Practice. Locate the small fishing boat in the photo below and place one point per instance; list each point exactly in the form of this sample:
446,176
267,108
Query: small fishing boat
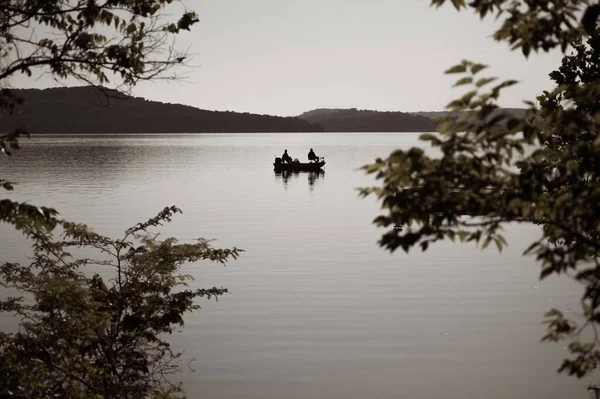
296,165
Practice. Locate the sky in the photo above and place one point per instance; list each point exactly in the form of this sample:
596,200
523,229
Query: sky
284,57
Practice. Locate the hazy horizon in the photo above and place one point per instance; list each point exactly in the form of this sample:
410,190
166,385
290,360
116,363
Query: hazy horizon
267,57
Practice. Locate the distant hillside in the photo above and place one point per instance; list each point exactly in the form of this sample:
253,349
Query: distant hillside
518,112
84,110
320,113
353,120
87,110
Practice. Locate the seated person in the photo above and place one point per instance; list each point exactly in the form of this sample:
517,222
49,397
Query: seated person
312,156
285,158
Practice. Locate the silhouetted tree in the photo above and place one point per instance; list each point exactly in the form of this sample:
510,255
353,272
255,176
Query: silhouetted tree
542,168
86,338
98,42
82,337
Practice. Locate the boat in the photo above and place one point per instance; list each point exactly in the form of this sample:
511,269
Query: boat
296,165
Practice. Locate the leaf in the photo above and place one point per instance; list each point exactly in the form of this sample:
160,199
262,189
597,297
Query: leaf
468,96
445,126
498,244
464,81
587,309
430,137
477,68
482,82
526,49
486,242
458,4
553,313
462,235
506,84
456,69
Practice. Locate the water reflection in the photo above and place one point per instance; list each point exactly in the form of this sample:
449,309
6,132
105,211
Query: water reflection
286,176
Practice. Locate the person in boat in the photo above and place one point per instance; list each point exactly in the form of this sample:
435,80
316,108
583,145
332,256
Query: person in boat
312,156
285,158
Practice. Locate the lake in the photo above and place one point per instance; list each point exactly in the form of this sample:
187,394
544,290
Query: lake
316,308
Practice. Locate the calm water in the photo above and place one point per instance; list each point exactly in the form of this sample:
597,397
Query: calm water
316,308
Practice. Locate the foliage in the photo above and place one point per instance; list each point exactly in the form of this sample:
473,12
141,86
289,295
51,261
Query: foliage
93,41
495,168
130,45
83,338
79,337
533,24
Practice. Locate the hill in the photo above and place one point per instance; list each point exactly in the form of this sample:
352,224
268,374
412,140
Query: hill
518,112
87,110
353,120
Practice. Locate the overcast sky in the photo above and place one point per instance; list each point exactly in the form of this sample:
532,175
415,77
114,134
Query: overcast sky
284,57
